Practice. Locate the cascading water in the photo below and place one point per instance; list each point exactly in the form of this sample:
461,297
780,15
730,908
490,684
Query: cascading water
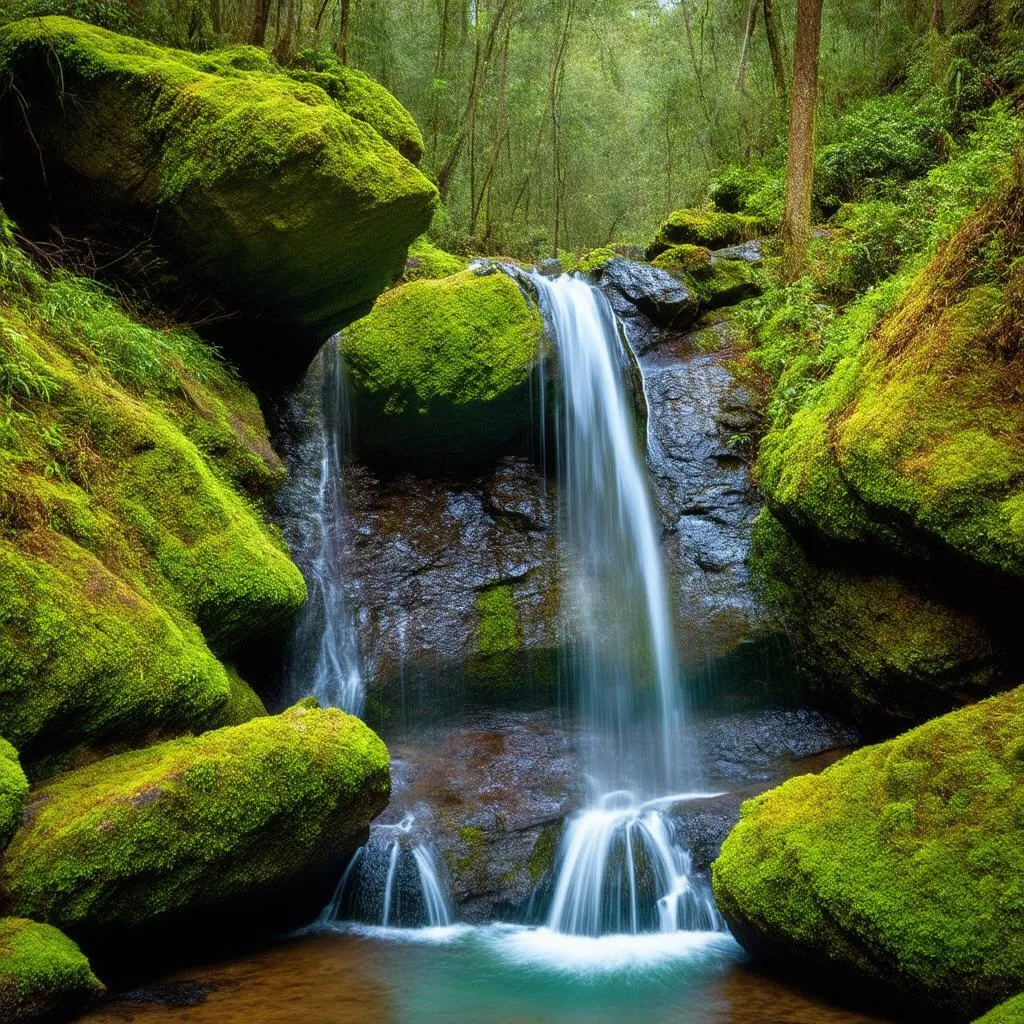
392,882
323,658
620,868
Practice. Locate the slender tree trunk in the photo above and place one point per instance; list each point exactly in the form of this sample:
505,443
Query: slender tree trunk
939,16
261,15
771,29
344,18
796,221
748,35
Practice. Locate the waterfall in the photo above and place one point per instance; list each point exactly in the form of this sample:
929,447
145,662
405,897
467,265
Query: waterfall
392,883
323,655
620,868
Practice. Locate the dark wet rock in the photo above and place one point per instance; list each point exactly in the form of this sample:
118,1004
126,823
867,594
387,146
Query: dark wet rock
551,268
697,453
749,252
645,298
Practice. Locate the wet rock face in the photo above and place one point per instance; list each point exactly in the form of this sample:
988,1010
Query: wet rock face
456,583
698,422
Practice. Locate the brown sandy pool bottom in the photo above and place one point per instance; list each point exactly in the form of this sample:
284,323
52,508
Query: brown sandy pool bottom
497,974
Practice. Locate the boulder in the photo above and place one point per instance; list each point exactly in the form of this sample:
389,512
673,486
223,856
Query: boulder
258,191
444,369
427,262
715,279
900,864
915,441
712,229
43,974
187,826
883,646
131,487
13,792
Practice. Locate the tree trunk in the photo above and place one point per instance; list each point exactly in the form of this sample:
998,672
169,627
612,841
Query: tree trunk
939,16
796,221
261,15
344,16
748,35
775,47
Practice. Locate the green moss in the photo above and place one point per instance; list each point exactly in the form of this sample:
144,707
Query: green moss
426,262
193,822
133,464
542,856
13,792
43,974
711,229
243,704
270,196
362,98
914,438
882,647
1010,1012
715,282
595,259
498,627
902,862
443,368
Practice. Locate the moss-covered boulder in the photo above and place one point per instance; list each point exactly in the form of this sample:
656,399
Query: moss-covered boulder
134,467
13,792
915,441
711,229
716,282
426,262
43,974
259,190
882,646
188,825
1010,1012
902,863
443,369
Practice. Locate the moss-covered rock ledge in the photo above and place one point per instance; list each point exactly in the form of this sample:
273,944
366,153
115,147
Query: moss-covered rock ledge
260,190
43,974
186,826
902,863
442,369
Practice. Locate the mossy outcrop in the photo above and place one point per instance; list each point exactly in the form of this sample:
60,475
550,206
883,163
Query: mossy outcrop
901,863
1010,1012
716,282
187,825
43,974
712,229
426,262
259,190
13,792
915,441
133,464
882,646
443,369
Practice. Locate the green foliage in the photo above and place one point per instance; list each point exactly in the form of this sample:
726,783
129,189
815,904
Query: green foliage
884,142
270,194
192,822
43,974
903,861
444,367
714,282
